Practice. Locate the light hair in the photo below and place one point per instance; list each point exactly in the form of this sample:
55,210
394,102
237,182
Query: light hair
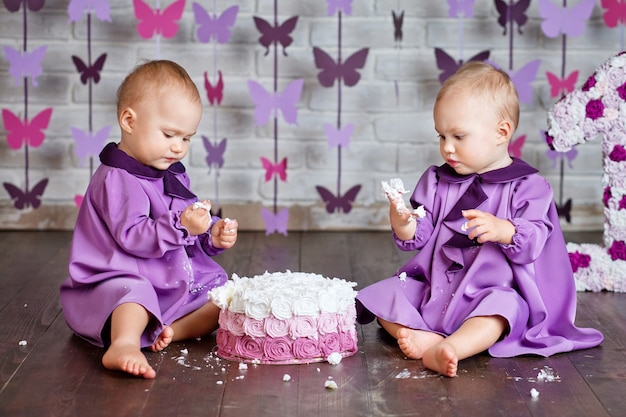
487,83
149,77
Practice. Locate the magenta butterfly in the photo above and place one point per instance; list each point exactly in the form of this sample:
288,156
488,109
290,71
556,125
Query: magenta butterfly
449,65
268,103
346,71
27,64
271,169
89,144
338,203
213,26
32,5
515,146
214,93
615,12
342,5
461,7
163,22
78,200
215,153
101,8
275,34
558,85
338,137
23,199
570,21
275,222
515,13
87,72
26,132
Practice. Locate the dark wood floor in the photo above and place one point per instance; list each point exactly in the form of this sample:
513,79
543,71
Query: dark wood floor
53,373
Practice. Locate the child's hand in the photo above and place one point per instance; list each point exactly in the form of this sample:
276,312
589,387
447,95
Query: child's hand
485,227
224,233
196,218
401,218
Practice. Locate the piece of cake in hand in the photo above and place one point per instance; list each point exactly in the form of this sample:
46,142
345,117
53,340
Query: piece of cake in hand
285,318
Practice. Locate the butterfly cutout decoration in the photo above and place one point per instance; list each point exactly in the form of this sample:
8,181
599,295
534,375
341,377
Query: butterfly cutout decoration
449,65
614,12
515,146
338,203
78,200
515,13
344,6
398,21
346,71
212,26
338,137
22,199
558,85
275,34
214,93
556,156
24,132
89,72
523,78
565,210
101,8
271,169
215,152
570,21
161,22
27,64
275,222
268,103
32,5
89,144
461,7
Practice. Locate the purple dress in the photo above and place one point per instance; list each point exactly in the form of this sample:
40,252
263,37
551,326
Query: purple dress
452,278
129,247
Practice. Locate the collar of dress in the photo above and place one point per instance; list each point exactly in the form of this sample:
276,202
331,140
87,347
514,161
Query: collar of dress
518,169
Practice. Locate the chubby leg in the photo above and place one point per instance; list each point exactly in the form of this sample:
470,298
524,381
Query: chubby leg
197,323
413,343
128,321
474,336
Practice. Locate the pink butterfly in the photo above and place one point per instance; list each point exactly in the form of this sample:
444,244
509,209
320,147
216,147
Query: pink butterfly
449,65
32,5
268,103
558,85
25,132
213,26
101,8
271,169
23,199
275,34
570,21
275,222
27,64
342,5
338,203
461,7
89,144
87,72
615,12
162,22
214,93
78,200
347,70
215,153
512,12
515,146
338,137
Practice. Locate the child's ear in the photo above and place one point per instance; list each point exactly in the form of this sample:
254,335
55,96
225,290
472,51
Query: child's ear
505,131
127,119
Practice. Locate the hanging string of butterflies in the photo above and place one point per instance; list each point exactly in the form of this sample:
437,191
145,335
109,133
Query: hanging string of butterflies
87,143
267,106
25,132
397,18
344,72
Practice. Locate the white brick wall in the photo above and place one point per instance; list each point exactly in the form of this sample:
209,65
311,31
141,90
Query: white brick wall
391,139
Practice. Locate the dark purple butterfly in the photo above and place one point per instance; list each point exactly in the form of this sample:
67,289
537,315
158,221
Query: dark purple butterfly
398,20
565,210
449,65
347,70
23,199
92,71
512,13
338,203
32,5
215,153
275,34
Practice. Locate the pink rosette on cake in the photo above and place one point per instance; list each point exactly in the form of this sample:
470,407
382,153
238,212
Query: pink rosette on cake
348,341
327,323
346,320
225,342
248,347
330,343
277,349
234,324
306,348
276,328
254,327
303,326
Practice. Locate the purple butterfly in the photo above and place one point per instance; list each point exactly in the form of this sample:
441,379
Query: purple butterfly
569,21
523,78
555,156
338,137
275,222
461,7
275,34
101,8
213,26
89,144
30,198
515,13
32,5
268,103
338,203
398,21
449,65
343,5
347,70
87,72
26,65
215,153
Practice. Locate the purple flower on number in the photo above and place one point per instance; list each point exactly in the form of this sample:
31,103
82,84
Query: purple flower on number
606,196
622,203
621,90
618,154
579,260
591,81
594,109
618,250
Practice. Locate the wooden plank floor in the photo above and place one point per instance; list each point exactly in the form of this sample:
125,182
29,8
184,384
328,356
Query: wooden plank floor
58,374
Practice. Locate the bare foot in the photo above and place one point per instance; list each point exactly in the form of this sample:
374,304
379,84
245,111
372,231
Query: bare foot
414,343
164,339
442,358
128,358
